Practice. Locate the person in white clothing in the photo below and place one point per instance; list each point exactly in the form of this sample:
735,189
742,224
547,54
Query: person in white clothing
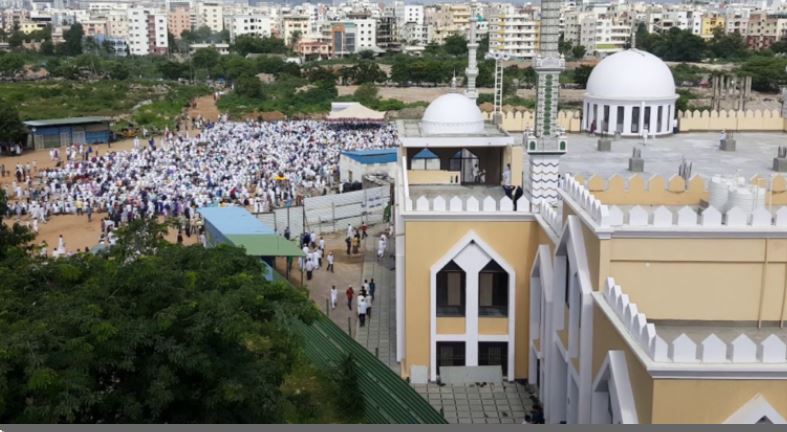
334,295
362,307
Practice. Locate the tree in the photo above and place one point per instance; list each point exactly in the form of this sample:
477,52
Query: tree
72,45
366,94
564,46
205,58
581,75
367,72
366,55
250,44
11,64
248,86
455,45
153,333
727,45
767,72
118,71
578,52
12,130
348,392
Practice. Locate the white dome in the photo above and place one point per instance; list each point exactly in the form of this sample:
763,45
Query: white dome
452,114
631,75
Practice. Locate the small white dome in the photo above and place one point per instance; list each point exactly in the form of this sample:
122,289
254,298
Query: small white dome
452,114
631,75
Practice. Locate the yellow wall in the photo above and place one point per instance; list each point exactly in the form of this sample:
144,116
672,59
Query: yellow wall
606,338
677,278
518,121
431,176
453,325
494,326
731,120
712,401
514,155
427,241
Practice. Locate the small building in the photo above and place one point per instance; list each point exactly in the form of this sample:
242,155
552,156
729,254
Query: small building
221,48
355,165
67,131
236,226
630,93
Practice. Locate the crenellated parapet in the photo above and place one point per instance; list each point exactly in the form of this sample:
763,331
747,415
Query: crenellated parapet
683,349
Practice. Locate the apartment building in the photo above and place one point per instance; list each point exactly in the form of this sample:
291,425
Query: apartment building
294,26
711,22
210,14
255,24
179,19
513,31
147,31
765,29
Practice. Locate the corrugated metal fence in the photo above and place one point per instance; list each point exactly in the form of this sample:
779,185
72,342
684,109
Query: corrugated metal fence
331,213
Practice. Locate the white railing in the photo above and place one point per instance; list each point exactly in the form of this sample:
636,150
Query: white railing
471,204
683,349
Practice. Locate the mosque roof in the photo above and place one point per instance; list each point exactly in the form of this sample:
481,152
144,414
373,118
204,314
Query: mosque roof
368,157
631,75
452,114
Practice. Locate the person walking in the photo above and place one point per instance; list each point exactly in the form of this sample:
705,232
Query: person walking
334,295
368,307
330,262
309,269
381,248
372,288
365,287
362,308
348,240
350,293
356,242
364,227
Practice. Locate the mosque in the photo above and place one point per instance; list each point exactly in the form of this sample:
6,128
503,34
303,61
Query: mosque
619,303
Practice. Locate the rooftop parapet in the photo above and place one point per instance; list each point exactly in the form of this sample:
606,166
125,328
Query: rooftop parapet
712,349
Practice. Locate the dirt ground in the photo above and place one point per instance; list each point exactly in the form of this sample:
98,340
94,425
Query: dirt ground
427,94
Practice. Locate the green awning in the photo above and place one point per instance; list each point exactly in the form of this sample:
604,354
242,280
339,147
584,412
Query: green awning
266,245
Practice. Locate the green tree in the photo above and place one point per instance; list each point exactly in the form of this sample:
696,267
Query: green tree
155,333
205,58
366,94
767,72
564,46
578,52
72,45
12,130
11,64
729,46
248,86
581,75
455,45
348,391
367,72
250,44
118,71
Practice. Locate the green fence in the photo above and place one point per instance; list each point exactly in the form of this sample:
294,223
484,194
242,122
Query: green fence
388,398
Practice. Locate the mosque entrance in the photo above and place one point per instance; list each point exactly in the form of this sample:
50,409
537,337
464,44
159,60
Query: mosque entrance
466,162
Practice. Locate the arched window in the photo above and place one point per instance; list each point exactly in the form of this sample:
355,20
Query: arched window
493,291
451,291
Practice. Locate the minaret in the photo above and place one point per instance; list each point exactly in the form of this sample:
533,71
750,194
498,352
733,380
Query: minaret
548,143
472,65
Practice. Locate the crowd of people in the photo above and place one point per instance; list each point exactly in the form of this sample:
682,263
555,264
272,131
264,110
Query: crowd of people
259,165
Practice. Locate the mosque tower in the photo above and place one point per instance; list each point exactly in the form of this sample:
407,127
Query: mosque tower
547,143
472,64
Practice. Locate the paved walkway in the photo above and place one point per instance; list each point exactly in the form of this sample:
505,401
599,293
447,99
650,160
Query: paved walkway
379,334
479,403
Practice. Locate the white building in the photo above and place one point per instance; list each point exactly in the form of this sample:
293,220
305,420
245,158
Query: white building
210,14
147,31
631,93
256,25
514,32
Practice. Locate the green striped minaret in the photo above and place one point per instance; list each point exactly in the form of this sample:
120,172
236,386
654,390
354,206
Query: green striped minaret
547,143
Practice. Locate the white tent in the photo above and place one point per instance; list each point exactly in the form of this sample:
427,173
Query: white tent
353,112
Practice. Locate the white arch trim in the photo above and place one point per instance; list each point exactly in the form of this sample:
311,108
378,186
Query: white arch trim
615,371
755,409
471,327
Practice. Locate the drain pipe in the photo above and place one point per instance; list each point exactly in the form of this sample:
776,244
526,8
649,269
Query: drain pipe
763,279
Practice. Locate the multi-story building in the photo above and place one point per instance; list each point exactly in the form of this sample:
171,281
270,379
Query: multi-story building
211,15
388,34
147,31
446,20
737,21
294,27
179,20
765,29
514,32
118,24
413,34
256,25
94,27
710,23
14,18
